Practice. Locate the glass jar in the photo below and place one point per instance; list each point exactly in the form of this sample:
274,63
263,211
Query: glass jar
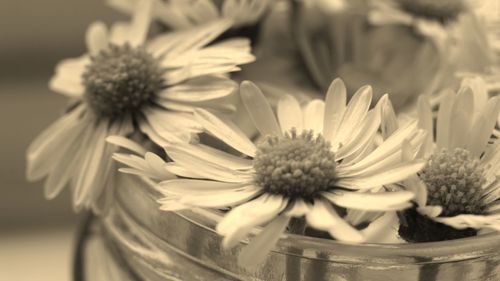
141,242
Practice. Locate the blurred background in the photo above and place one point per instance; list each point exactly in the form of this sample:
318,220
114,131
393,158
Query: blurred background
36,236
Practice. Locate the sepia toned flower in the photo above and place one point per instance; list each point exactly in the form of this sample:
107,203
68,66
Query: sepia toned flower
310,162
458,189
124,84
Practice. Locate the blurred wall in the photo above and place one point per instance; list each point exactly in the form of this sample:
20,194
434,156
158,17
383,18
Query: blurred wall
34,36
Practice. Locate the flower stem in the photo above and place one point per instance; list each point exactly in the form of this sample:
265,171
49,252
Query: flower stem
293,270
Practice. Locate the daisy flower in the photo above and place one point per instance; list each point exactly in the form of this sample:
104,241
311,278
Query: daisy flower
458,191
179,14
124,84
310,163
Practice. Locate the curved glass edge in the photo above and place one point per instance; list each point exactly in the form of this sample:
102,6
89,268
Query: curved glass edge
310,247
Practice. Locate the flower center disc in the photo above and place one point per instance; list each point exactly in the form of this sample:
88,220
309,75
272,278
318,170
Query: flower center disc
454,181
295,165
120,80
442,10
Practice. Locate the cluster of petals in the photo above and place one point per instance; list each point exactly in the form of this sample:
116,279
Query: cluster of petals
465,120
211,178
73,151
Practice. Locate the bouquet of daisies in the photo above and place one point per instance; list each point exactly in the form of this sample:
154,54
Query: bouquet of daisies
208,100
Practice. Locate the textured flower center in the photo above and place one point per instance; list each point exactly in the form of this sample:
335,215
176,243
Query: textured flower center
442,10
454,180
295,165
120,80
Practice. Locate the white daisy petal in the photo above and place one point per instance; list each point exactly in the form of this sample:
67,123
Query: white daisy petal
175,44
355,113
119,33
387,148
491,158
430,211
314,116
394,174
359,217
170,204
483,127
50,142
382,201
251,214
127,144
491,191
196,69
220,199
418,187
289,114
131,160
259,247
425,120
362,136
157,166
383,229
160,135
142,173
462,112
353,170
322,216
494,208
230,51
443,120
68,77
226,132
190,186
216,156
172,126
389,122
64,167
106,180
259,109
478,87
140,22
200,89
298,208
218,105
91,164
180,171
96,37
206,168
472,221
335,106
241,220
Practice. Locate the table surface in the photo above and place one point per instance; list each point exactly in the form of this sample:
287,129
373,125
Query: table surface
37,254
